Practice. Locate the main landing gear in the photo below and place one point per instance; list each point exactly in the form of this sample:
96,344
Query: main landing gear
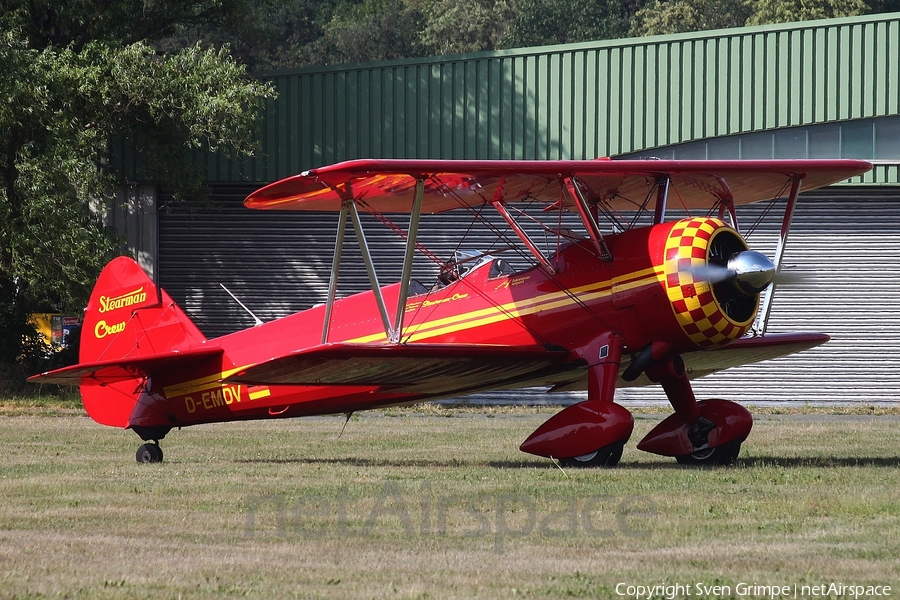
709,432
607,456
593,433
725,454
149,453
590,433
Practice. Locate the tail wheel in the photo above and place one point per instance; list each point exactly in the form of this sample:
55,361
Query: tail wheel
723,455
149,453
607,456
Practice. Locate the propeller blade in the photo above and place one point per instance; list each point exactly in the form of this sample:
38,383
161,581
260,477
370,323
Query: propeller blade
789,277
712,273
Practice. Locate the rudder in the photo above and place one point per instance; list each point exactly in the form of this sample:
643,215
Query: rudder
127,317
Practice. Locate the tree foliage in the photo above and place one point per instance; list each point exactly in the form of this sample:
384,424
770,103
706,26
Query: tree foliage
369,31
785,11
465,26
72,79
663,17
278,34
542,22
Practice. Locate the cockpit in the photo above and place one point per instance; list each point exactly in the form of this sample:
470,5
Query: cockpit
464,262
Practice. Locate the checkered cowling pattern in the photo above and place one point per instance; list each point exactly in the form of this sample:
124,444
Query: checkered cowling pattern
693,302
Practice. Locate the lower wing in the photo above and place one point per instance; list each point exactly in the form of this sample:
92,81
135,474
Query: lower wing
430,369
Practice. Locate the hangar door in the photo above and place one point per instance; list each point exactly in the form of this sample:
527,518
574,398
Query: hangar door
844,238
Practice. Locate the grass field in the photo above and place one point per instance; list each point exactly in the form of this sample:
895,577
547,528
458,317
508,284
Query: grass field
439,503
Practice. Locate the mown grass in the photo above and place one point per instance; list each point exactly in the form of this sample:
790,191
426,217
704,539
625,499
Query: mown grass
67,403
436,503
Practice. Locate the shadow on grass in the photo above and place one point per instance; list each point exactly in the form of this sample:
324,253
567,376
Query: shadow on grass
742,463
355,461
820,461
760,462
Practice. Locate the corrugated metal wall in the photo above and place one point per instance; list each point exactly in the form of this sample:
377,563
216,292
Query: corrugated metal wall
579,101
133,215
279,262
845,241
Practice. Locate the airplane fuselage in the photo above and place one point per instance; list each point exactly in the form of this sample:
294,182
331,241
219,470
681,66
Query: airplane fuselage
641,295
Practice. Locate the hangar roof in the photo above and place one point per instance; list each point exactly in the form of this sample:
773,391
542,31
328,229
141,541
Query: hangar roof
835,77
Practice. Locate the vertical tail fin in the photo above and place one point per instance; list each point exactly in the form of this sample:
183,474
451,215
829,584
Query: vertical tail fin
128,318
131,330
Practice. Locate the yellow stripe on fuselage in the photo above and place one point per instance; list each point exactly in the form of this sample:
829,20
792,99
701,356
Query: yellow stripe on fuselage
511,310
460,322
198,385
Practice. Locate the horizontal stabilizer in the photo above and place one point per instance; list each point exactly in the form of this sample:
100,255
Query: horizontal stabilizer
113,370
424,368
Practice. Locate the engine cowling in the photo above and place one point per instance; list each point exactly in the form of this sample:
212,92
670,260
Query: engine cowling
710,313
708,284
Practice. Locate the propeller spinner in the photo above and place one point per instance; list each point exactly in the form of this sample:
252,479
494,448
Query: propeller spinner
750,271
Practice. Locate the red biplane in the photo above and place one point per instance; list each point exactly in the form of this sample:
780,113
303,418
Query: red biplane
642,301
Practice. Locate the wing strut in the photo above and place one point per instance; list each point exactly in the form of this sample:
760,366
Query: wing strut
532,247
335,266
370,267
762,318
348,208
662,199
414,214
570,184
726,205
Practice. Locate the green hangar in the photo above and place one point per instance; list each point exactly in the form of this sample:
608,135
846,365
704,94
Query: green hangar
818,89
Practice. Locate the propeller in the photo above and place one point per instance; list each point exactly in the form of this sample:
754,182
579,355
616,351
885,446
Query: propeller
750,271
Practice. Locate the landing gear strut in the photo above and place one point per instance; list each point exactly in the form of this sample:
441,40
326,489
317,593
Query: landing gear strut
149,453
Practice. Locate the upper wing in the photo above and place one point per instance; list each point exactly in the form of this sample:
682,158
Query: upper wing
387,185
413,368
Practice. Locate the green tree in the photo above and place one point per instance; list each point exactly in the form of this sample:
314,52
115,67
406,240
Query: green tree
464,26
264,35
369,31
884,6
786,11
662,17
73,78
542,22
676,16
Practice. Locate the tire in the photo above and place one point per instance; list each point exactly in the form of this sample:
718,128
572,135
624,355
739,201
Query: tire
720,456
607,456
149,453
